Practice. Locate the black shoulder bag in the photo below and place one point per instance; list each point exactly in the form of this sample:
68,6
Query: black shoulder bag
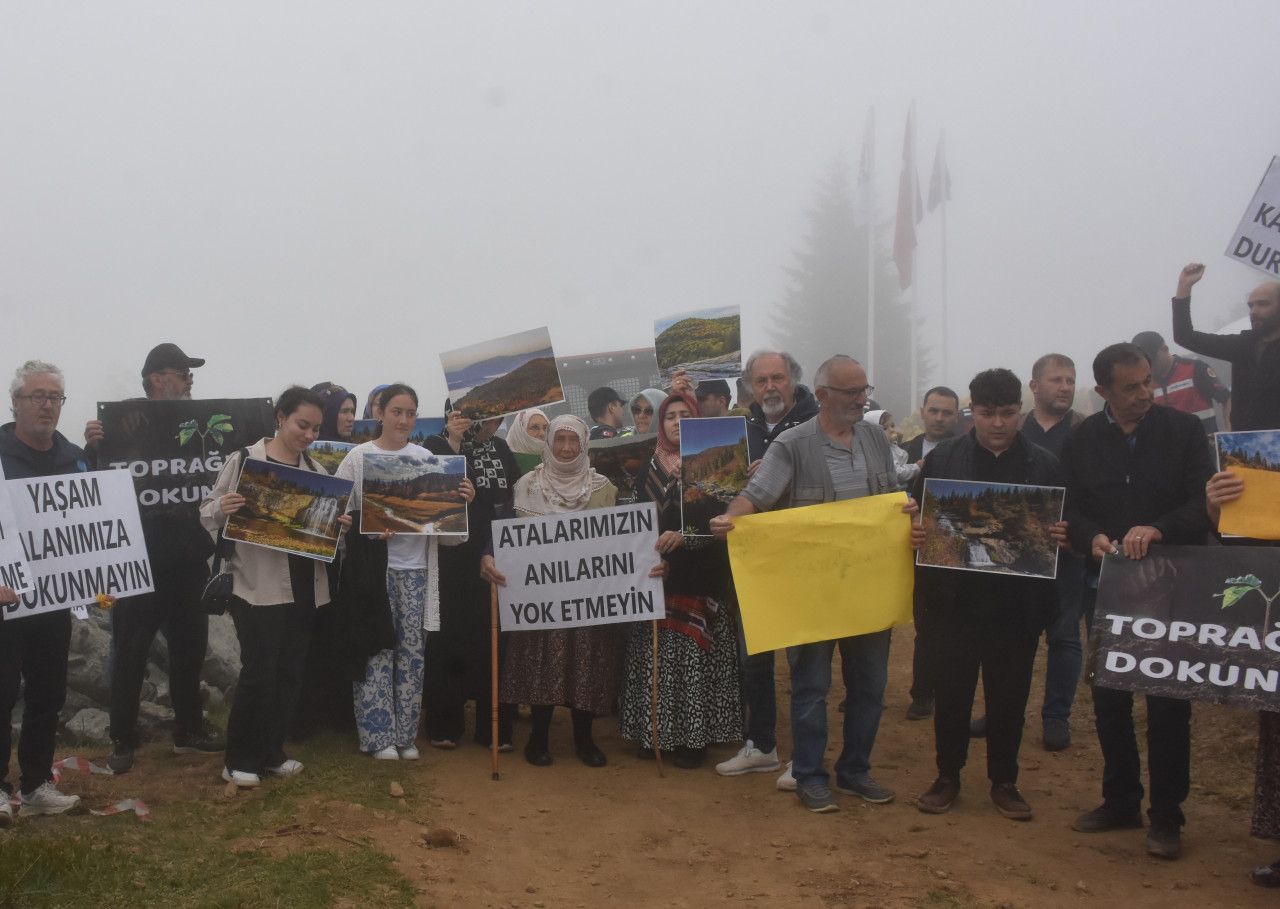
217,595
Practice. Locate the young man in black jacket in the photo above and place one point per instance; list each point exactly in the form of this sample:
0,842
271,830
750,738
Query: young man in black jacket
984,621
1136,474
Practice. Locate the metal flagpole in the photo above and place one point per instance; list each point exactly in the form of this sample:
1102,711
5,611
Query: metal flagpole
868,145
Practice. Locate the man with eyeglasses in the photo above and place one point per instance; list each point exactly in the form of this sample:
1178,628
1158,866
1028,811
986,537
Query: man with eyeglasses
833,457
179,549
33,649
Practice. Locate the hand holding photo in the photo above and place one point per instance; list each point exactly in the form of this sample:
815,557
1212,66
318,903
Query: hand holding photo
289,509
502,376
713,469
413,494
706,343
1255,458
993,527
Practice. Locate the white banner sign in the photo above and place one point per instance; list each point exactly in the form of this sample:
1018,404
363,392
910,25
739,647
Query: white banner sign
1257,240
579,568
81,536
14,571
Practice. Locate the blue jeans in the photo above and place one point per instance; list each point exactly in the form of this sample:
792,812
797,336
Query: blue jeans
759,701
864,663
1062,668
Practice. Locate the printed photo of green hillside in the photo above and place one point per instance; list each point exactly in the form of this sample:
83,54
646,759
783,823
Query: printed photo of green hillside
706,343
502,376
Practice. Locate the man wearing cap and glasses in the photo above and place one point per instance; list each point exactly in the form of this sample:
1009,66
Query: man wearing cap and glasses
179,549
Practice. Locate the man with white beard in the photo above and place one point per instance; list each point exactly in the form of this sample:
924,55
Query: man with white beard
781,402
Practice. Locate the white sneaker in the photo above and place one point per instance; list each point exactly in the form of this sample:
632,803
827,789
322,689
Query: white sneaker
288,768
6,810
787,782
409,754
240,778
47,800
749,759
387,754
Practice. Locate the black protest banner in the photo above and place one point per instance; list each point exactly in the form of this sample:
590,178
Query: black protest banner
1194,622
174,449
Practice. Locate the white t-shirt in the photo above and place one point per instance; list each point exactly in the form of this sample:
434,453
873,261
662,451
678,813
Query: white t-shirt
404,551
926,446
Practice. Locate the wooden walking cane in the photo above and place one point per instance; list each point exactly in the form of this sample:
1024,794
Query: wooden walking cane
653,711
493,678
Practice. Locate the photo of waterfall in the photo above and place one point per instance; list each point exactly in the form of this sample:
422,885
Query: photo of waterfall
995,527
289,509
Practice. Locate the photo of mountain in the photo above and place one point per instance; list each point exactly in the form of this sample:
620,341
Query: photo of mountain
993,527
713,468
706,343
502,376
423,429
404,493
289,509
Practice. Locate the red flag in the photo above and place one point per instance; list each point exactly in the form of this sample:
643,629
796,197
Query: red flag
940,182
910,207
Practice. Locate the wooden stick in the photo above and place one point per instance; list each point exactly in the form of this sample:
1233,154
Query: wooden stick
493,678
657,746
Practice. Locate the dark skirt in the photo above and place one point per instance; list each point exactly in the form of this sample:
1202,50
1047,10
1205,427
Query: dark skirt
573,667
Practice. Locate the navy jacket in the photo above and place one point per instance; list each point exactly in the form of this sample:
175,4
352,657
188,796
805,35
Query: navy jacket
21,463
759,435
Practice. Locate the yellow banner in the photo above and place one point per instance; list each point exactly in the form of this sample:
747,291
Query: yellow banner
823,572
1254,514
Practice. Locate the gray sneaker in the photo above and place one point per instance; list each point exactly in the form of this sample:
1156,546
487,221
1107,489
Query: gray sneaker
871,791
817,798
120,760
47,800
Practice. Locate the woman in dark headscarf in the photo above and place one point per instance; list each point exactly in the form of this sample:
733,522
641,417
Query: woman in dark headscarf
699,701
458,667
339,412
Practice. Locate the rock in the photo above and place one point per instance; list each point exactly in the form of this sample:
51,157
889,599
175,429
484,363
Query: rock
154,712
89,659
441,838
396,790
90,726
222,661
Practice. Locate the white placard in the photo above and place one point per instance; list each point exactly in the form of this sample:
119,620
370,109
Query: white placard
579,568
81,536
15,573
1256,241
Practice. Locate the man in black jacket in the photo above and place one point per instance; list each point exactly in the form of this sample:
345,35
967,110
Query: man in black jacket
1254,355
33,648
179,549
979,620
1135,477
781,402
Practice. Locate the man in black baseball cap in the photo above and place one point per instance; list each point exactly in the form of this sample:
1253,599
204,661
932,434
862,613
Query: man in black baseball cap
166,374
1183,383
606,407
713,398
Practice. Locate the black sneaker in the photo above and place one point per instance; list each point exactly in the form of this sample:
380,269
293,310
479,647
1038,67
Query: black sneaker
1164,841
208,741
1104,818
120,760
920,709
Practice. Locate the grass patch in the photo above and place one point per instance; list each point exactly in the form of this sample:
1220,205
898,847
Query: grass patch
206,853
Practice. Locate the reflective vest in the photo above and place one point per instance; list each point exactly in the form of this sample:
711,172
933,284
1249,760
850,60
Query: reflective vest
1179,391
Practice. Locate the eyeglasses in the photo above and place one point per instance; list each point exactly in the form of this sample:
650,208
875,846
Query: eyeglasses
180,373
642,410
40,399
864,391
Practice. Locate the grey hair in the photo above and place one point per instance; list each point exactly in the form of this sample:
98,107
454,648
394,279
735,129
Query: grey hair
824,371
793,365
34,368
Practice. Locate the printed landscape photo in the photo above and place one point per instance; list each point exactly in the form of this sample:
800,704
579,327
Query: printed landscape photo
713,468
620,460
423,429
1249,450
498,377
1255,457
329,454
413,494
706,343
289,509
992,527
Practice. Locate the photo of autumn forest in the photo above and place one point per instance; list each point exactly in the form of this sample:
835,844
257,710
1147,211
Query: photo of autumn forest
404,493
707,343
289,509
992,527
713,468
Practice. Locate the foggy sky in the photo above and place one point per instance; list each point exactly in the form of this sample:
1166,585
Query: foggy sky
323,191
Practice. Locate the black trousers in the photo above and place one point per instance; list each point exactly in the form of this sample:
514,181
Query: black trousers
273,652
1168,748
921,663
33,659
173,608
967,639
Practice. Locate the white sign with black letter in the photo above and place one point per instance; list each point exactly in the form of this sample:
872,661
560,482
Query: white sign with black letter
579,568
81,537
14,571
1256,241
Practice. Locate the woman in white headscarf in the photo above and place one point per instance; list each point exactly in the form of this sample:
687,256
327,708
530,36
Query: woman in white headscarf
644,407
526,437
575,667
904,469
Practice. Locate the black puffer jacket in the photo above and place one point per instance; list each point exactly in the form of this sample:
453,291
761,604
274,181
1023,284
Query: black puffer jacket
759,435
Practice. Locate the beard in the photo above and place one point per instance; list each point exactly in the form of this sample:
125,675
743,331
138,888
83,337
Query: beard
774,407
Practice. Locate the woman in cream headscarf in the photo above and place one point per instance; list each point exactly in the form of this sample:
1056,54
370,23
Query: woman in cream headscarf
526,436
575,667
644,407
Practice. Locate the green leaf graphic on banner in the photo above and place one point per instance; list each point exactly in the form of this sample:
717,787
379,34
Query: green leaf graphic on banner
1232,595
186,431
